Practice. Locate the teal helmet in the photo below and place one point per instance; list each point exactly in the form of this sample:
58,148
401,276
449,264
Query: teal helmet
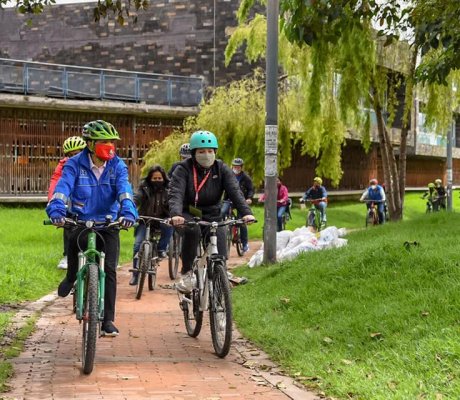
100,130
203,140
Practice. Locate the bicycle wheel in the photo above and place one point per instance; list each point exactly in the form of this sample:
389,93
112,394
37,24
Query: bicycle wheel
143,265
311,219
369,218
375,218
153,264
229,239
175,246
237,241
193,317
220,310
90,318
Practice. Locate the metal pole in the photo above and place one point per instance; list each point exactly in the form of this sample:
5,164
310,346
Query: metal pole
450,135
271,133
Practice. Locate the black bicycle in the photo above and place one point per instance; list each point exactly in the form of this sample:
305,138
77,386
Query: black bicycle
147,256
174,254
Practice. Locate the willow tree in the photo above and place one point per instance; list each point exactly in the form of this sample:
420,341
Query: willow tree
352,68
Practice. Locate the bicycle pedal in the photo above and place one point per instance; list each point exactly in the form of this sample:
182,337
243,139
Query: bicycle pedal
133,270
152,272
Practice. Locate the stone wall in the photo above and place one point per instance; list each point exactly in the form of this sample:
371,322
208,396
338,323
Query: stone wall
171,37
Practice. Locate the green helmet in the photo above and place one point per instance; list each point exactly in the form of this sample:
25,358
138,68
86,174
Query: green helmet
73,143
431,185
203,140
100,130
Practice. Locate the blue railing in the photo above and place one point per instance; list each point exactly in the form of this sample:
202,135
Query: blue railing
84,83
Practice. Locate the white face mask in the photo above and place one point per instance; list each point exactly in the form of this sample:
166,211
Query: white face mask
235,171
373,187
205,159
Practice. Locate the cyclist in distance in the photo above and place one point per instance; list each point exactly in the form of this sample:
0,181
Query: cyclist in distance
442,195
184,153
431,195
247,188
71,147
376,193
282,201
317,192
196,190
97,182
151,200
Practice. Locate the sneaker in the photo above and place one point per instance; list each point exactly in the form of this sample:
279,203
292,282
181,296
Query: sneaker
134,279
162,254
109,329
245,248
63,263
185,282
65,287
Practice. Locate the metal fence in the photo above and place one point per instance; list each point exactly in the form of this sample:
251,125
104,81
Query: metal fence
71,82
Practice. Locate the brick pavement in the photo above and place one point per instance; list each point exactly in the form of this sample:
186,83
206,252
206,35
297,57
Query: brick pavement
152,358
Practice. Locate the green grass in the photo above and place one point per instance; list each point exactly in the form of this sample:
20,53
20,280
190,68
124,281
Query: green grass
367,321
30,252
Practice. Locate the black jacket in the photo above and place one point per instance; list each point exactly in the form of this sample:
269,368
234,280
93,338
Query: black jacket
182,190
173,167
246,186
150,202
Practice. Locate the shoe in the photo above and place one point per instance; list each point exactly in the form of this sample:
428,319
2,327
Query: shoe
65,287
134,279
162,254
109,329
185,282
245,248
63,263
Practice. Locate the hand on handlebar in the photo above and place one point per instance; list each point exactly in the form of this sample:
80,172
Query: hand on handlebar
248,219
125,223
58,221
177,220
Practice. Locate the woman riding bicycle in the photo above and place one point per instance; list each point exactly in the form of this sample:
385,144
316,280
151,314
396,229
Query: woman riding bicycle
97,182
196,189
282,202
152,201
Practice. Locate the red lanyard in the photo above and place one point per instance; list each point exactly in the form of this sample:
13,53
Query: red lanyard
195,183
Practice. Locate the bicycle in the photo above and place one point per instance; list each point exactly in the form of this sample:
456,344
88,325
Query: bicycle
233,234
286,215
314,215
372,216
174,253
147,256
89,289
211,290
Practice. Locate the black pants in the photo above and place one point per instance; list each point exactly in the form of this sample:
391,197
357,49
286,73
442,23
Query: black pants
191,238
66,241
107,241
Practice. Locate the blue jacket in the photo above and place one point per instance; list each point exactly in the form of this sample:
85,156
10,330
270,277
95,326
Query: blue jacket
92,199
377,195
315,193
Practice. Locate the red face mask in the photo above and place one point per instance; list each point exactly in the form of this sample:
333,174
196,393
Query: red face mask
104,151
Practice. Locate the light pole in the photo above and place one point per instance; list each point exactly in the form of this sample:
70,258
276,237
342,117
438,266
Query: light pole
450,137
271,132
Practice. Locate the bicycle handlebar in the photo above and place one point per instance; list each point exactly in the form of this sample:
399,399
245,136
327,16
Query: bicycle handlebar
217,224
69,222
146,219
373,201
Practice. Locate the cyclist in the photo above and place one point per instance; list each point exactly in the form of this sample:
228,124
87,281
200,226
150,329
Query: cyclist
247,188
375,192
97,182
196,189
317,192
71,147
282,202
431,195
442,195
184,153
151,200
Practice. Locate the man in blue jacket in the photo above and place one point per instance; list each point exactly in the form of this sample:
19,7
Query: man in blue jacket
96,181
375,193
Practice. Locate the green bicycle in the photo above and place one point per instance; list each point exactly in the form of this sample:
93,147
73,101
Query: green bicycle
89,290
314,216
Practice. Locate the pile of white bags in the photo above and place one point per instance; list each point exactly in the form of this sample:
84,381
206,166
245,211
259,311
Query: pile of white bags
289,244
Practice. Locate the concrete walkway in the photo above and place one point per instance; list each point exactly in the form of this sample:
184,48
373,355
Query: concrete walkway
152,358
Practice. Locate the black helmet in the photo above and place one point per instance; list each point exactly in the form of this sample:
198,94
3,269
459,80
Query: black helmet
238,161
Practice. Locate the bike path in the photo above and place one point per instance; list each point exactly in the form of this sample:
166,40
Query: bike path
152,358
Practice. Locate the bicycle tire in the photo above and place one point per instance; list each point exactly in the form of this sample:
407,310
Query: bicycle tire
220,310
193,321
229,239
143,259
153,268
175,246
90,319
311,219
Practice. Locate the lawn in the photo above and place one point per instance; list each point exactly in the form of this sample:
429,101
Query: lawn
372,320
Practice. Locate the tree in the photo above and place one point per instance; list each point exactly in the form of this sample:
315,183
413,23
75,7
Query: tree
119,9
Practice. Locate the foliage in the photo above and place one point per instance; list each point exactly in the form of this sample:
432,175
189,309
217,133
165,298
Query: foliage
119,9
371,320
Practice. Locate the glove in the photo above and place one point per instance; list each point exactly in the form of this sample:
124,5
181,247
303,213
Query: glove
57,217
58,221
126,222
